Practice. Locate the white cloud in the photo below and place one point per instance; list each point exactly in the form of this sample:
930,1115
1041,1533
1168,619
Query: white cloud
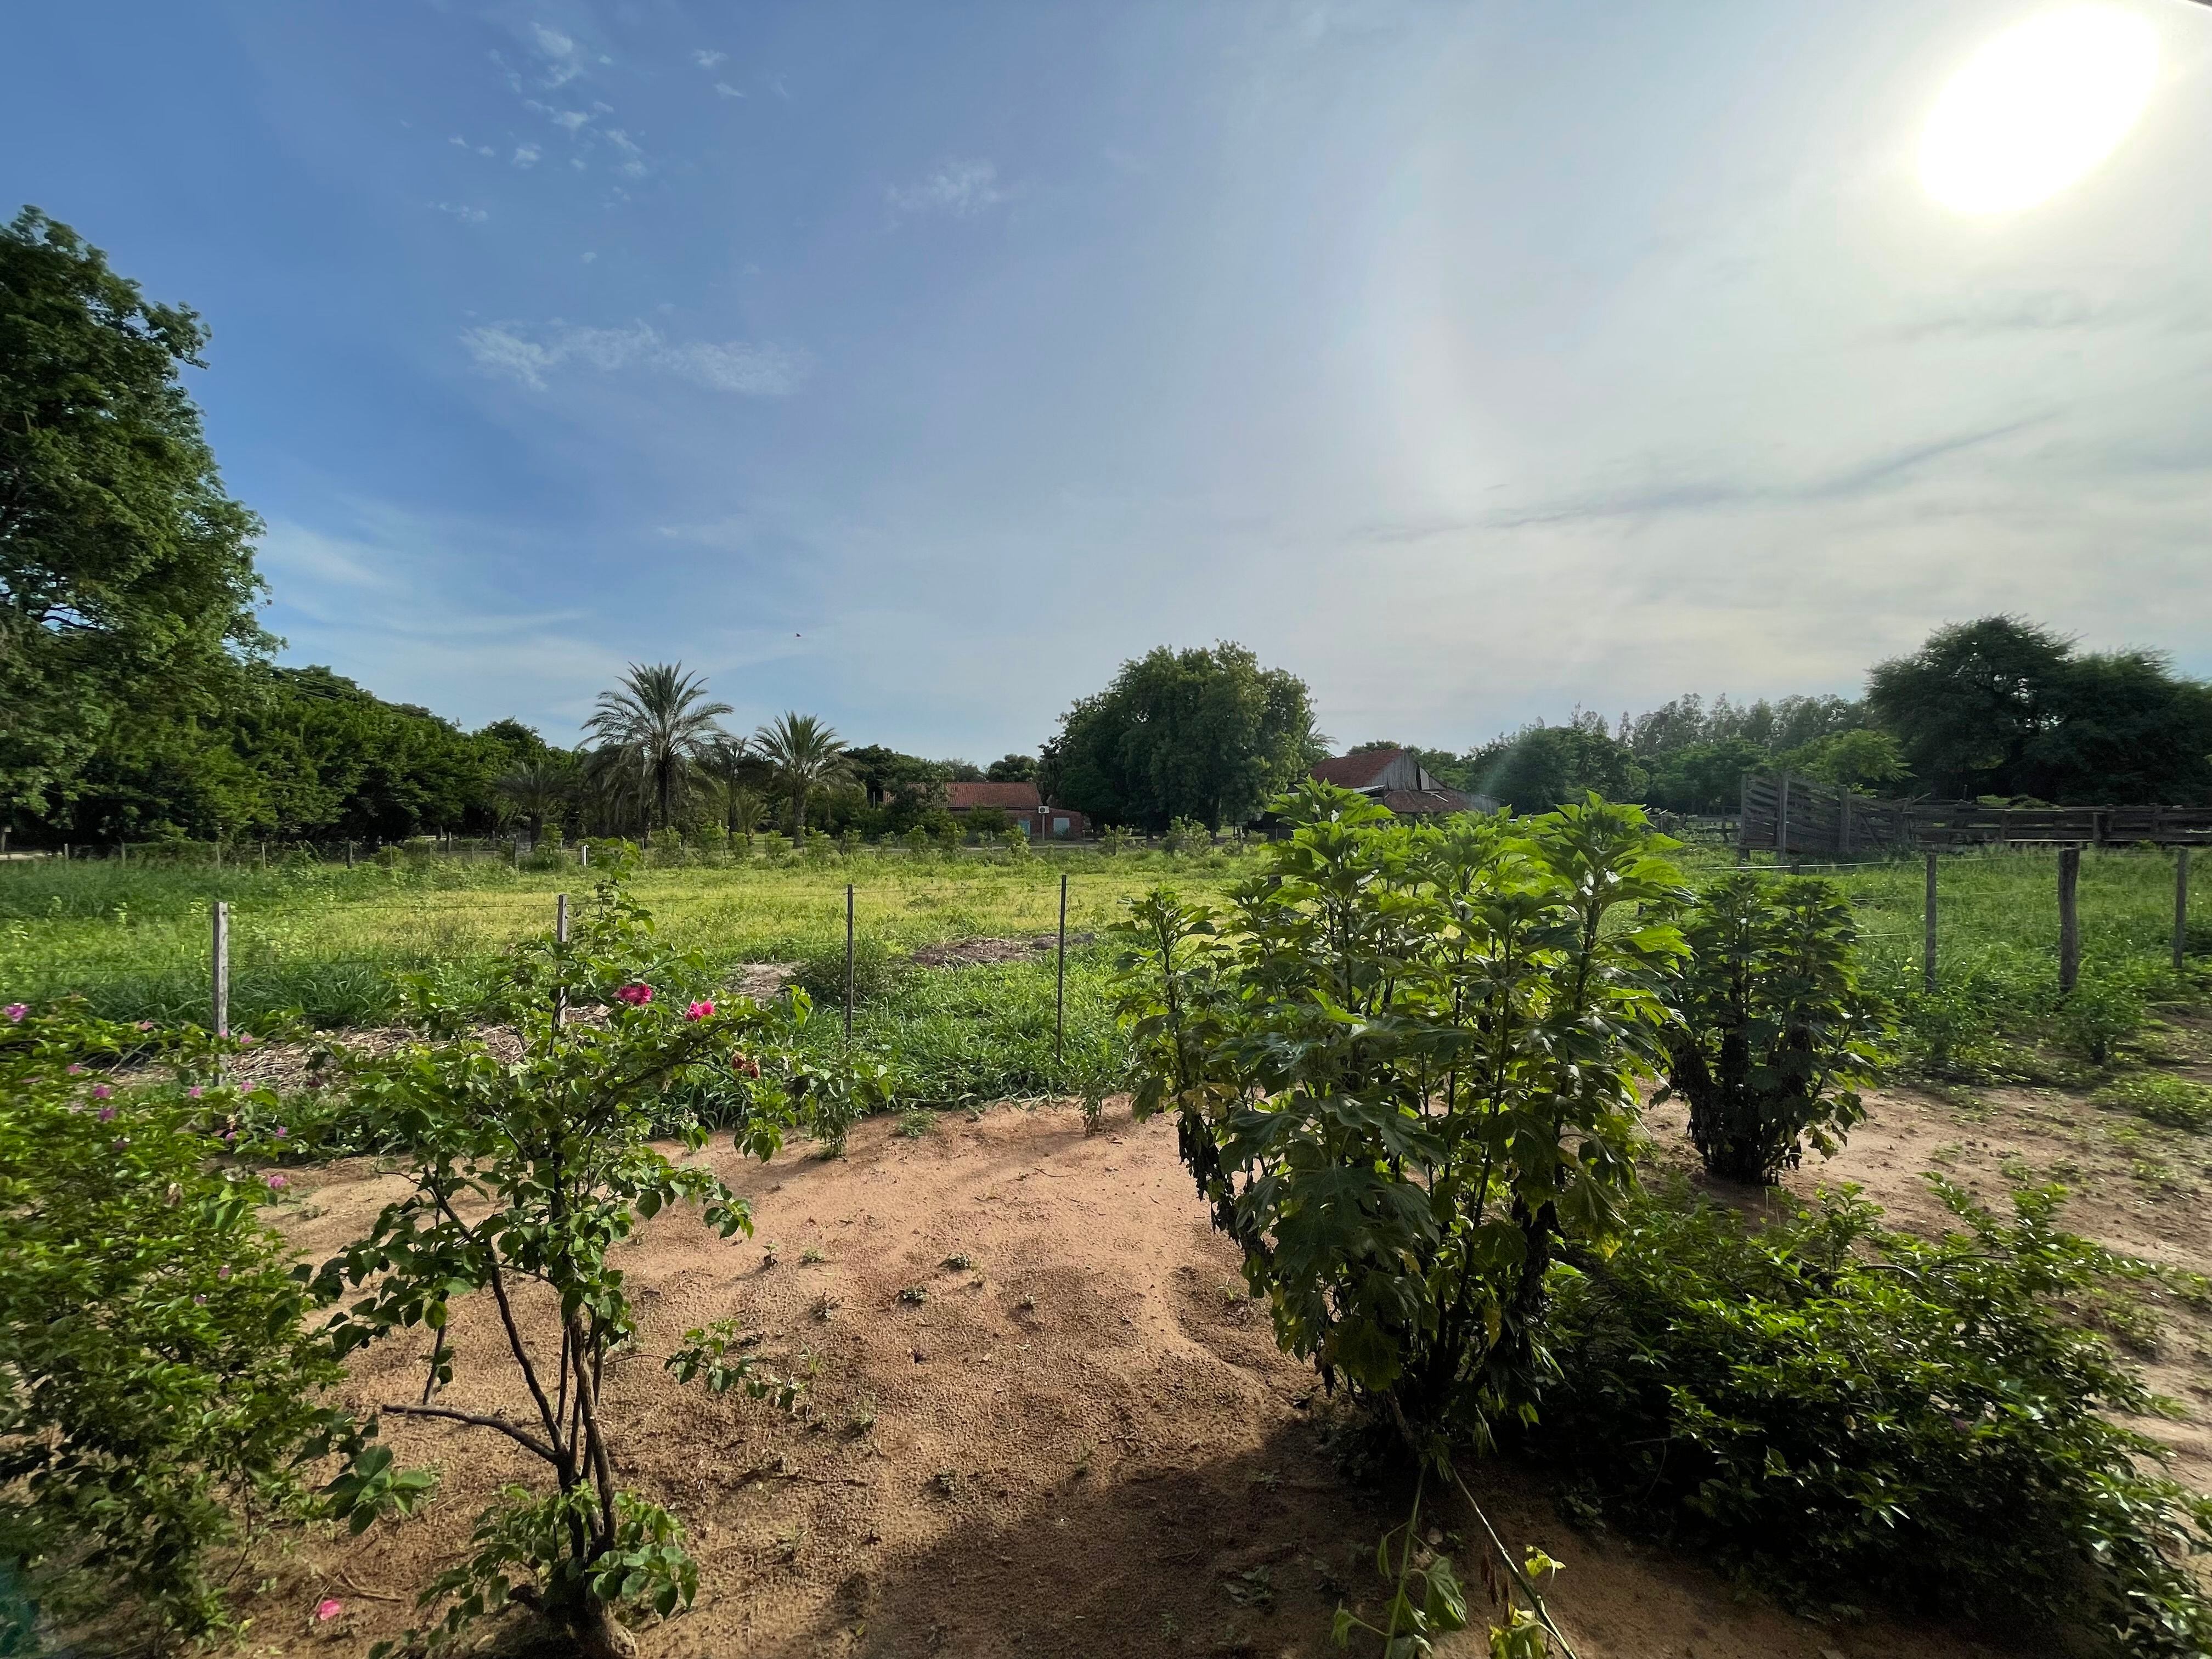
633,161
461,210
748,369
727,90
525,156
963,188
708,60
563,63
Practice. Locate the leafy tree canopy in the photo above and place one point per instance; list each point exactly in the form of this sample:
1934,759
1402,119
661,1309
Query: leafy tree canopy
1012,768
1205,733
1541,767
126,573
2005,707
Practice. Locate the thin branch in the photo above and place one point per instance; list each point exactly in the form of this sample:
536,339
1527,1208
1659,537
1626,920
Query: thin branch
520,1437
514,1334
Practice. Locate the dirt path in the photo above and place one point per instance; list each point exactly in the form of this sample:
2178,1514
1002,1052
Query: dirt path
1082,1442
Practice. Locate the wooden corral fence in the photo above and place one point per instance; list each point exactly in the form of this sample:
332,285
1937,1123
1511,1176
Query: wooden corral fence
1796,817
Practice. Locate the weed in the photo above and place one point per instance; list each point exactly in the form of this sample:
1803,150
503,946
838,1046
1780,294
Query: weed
1083,1454
812,1257
958,1264
2175,1102
1253,1588
862,1416
946,1481
913,1295
770,1252
914,1123
824,1306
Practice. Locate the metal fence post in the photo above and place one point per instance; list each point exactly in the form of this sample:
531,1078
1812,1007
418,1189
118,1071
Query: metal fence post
848,964
2070,919
2180,906
219,969
1060,993
1928,926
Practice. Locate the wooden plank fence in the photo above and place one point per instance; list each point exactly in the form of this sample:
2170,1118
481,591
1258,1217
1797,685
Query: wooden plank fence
1796,816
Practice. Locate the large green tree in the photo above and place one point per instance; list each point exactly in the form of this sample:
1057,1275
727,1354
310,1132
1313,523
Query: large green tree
1541,767
2002,706
802,754
658,726
1205,733
126,575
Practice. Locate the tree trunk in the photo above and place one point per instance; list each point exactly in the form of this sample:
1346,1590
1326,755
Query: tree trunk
599,1635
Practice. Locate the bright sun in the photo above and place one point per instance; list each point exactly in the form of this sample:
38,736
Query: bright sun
2037,108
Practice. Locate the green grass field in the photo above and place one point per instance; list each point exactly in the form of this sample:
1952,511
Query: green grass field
323,942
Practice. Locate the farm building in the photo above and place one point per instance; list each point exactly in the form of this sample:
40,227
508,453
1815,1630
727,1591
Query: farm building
1398,780
1021,802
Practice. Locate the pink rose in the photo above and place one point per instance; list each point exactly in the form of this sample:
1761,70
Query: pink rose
277,1180
16,1011
636,995
699,1010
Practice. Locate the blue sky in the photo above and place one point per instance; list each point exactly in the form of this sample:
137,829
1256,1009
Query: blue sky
915,364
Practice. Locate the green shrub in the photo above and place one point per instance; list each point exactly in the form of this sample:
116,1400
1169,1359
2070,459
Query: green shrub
1776,1034
821,972
1405,1067
2176,1101
157,1394
1187,835
1113,838
2096,1017
1843,1413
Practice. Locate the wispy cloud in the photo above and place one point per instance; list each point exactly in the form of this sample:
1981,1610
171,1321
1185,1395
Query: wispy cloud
525,156
633,157
706,59
727,90
463,211
564,60
481,149
961,187
748,368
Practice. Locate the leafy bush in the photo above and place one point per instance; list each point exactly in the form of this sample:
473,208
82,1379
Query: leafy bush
1112,840
1775,1033
1404,1066
1186,836
551,1159
1842,1411
157,1395
821,972
2176,1101
2097,1016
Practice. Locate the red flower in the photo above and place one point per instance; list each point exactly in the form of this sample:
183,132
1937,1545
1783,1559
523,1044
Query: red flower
636,995
699,1010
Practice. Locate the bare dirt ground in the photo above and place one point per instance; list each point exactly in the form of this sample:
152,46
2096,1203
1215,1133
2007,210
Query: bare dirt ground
1083,1441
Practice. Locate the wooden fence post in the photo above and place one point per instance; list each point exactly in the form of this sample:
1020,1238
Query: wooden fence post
848,964
2180,906
1782,823
1928,930
1060,993
2070,919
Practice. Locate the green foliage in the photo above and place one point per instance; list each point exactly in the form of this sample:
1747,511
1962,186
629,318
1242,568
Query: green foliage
1863,759
1186,836
1542,766
157,1395
1847,1412
1113,838
1425,1600
532,1172
1205,733
1776,1035
2003,707
802,754
655,733
2176,1101
1704,777
126,575
1404,1066
2097,1015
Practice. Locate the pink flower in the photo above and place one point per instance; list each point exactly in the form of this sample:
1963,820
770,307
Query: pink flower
145,1024
192,1093
77,1071
328,1609
280,1132
199,1302
107,1115
246,1043
16,1011
223,1272
277,1180
699,1010
100,1092
636,995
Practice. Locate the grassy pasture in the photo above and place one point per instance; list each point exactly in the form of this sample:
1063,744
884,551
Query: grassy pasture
323,941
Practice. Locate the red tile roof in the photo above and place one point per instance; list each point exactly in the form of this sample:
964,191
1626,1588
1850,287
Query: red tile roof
1007,797
1356,771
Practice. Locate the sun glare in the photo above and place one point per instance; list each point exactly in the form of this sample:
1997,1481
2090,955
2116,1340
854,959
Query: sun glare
2037,108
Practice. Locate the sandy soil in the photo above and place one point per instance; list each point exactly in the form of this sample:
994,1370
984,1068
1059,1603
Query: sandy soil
1083,1442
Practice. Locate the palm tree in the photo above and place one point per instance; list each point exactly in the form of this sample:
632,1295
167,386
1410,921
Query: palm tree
661,725
739,774
802,754
534,791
